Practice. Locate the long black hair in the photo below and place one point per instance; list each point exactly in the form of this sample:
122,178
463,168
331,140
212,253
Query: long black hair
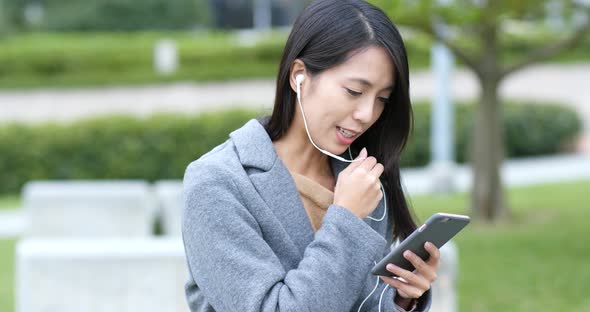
325,35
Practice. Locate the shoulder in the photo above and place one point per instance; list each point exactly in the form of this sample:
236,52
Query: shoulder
214,190
216,166
211,187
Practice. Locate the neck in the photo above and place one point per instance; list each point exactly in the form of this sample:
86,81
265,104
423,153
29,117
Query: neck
299,155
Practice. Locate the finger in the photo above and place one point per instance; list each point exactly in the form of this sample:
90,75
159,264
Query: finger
426,270
434,252
377,170
358,160
412,292
411,277
367,164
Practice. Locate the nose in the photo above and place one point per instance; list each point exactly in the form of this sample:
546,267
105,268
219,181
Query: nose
364,111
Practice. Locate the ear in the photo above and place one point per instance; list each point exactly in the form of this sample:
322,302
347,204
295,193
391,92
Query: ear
297,68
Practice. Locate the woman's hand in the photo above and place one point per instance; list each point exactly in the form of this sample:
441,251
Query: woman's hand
412,285
358,188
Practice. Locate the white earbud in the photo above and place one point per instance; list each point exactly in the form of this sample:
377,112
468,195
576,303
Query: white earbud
299,80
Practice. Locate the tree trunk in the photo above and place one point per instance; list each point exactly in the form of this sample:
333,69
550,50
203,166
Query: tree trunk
488,152
488,203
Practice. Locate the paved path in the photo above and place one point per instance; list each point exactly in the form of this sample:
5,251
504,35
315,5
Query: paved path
567,83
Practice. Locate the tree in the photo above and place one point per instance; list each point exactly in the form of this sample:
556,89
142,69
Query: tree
480,33
6,22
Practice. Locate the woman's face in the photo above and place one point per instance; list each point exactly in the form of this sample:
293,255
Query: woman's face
341,103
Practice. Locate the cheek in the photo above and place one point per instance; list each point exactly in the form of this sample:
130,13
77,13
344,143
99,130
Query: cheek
332,104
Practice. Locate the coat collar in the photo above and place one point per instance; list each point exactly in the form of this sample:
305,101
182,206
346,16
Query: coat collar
273,182
255,148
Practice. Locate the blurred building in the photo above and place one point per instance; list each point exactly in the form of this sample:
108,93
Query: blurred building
240,13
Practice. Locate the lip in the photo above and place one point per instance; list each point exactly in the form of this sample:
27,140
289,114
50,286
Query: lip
350,130
344,140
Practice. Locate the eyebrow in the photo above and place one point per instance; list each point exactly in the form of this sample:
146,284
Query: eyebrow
368,83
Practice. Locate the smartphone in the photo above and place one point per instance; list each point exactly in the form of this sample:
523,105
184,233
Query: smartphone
438,229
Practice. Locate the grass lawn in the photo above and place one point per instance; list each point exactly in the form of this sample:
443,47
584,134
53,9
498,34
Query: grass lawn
537,262
9,202
7,275
65,60
7,259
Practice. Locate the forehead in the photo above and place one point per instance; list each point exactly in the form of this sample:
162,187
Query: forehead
372,64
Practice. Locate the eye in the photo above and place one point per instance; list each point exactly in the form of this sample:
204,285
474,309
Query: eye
384,100
353,93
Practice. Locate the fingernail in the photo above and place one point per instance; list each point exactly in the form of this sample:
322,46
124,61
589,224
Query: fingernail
428,245
363,153
389,267
360,155
407,254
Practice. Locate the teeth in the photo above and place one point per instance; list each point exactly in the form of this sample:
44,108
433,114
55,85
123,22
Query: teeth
346,133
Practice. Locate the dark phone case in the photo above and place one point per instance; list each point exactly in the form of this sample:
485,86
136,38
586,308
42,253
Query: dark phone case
438,229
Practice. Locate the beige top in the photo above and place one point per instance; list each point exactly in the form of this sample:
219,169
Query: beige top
316,199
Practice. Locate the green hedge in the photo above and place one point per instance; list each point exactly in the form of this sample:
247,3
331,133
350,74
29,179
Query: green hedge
529,130
112,147
160,147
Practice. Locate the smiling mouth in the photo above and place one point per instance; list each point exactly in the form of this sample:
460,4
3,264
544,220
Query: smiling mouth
347,133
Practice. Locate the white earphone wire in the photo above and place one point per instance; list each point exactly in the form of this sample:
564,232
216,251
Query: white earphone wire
381,297
370,294
299,79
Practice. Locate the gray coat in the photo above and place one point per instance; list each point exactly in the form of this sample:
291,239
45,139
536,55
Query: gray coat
250,245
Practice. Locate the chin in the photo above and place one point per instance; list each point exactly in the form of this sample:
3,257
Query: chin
339,150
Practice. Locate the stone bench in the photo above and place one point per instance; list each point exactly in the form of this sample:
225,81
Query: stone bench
100,275
135,275
89,208
170,202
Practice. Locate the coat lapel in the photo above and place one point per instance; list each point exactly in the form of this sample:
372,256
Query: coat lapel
273,182
277,188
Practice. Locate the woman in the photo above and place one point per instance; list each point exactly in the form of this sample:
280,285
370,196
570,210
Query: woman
274,220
